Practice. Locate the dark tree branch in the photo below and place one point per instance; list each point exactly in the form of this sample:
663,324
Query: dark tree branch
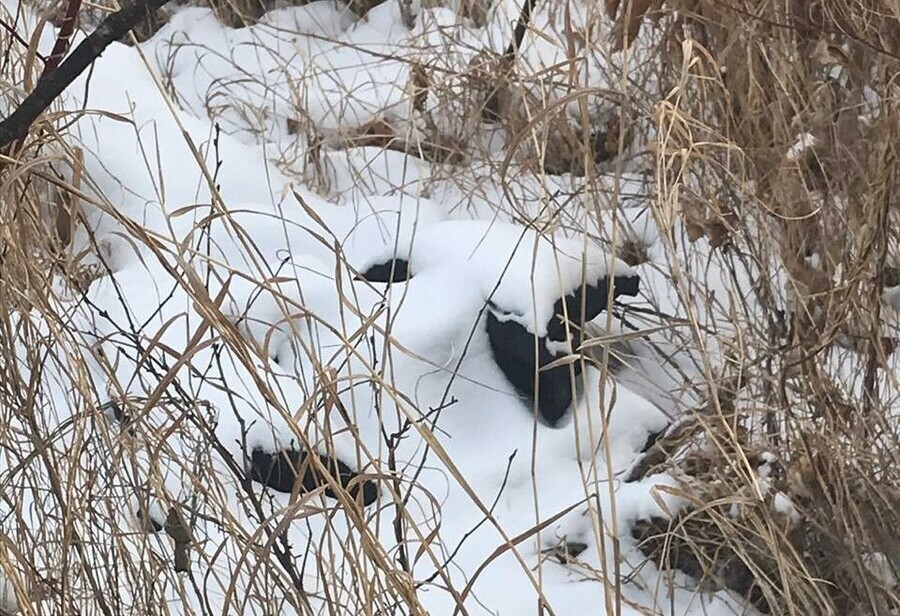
494,107
53,84
521,27
18,37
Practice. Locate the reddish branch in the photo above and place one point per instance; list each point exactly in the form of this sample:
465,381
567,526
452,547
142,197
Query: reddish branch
60,47
64,38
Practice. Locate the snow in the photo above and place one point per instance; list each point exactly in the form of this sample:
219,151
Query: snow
783,505
891,296
8,601
246,249
804,142
879,566
518,269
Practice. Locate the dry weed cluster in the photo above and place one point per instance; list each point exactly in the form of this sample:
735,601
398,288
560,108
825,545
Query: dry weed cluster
770,131
778,147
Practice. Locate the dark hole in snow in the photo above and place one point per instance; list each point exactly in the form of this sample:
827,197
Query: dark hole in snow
594,298
280,470
891,276
513,346
568,551
113,410
149,524
395,270
652,438
690,548
601,147
361,7
574,549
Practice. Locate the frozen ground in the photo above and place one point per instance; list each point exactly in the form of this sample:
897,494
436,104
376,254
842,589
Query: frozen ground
396,380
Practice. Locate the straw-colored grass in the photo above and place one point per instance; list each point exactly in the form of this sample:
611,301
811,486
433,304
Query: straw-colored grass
804,387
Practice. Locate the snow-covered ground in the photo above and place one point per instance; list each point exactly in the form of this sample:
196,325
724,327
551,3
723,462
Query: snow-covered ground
231,304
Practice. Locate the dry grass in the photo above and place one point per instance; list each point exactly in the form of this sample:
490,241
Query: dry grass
803,387
814,233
